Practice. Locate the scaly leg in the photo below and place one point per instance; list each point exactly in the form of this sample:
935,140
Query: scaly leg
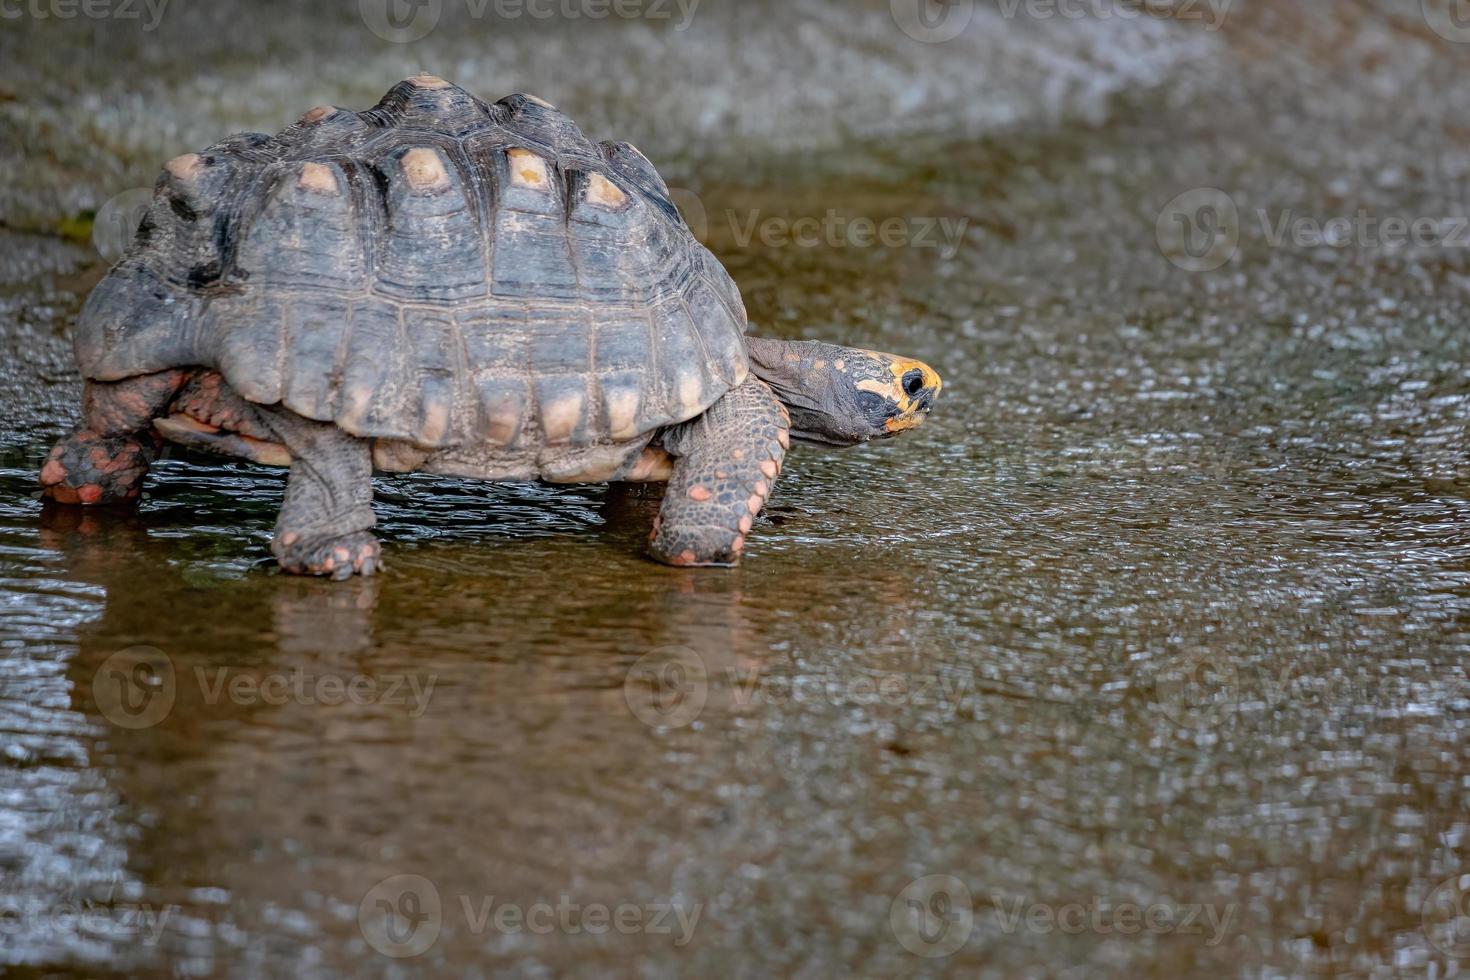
325,523
105,459
725,462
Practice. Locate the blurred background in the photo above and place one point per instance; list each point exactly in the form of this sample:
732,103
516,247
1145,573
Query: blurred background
1146,656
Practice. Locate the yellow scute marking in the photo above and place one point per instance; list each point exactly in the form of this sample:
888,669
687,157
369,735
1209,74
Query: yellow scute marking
317,178
528,170
604,193
622,413
185,167
424,169
435,424
691,394
559,418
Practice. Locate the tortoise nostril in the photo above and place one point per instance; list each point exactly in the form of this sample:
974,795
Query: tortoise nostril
913,382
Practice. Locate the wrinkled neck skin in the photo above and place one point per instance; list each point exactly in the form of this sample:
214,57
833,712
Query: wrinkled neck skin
842,396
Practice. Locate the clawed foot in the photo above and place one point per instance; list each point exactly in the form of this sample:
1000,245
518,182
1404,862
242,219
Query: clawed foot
700,546
341,558
86,468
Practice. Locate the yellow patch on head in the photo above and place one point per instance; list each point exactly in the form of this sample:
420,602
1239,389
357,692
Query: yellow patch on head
908,415
604,193
424,170
902,422
424,80
528,170
316,114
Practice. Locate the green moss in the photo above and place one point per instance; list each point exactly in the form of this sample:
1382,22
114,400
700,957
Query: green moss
77,227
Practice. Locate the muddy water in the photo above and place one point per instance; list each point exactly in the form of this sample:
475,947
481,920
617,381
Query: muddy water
1152,644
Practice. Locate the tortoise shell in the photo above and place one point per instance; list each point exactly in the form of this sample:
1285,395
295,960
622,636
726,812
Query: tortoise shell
435,270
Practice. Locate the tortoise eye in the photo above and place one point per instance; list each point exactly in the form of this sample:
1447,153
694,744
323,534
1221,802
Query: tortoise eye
913,382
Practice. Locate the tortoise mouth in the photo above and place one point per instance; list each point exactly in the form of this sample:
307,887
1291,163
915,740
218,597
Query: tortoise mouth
821,439
824,439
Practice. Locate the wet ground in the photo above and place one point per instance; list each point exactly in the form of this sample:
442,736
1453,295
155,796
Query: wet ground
1147,656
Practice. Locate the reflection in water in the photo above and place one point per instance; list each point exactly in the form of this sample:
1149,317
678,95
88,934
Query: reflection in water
1168,607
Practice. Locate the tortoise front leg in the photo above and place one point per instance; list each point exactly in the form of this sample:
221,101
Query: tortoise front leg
725,462
325,524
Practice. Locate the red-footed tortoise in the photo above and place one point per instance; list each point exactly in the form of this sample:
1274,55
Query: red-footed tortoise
446,285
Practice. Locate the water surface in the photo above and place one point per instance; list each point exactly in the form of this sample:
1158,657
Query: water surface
1167,607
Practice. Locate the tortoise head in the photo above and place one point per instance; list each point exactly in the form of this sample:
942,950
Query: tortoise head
842,396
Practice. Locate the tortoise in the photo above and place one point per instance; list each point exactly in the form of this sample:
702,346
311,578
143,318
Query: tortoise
445,285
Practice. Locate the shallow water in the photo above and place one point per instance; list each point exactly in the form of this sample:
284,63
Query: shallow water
1167,608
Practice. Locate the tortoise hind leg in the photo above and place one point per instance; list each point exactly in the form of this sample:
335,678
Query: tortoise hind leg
106,458
325,526
725,462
